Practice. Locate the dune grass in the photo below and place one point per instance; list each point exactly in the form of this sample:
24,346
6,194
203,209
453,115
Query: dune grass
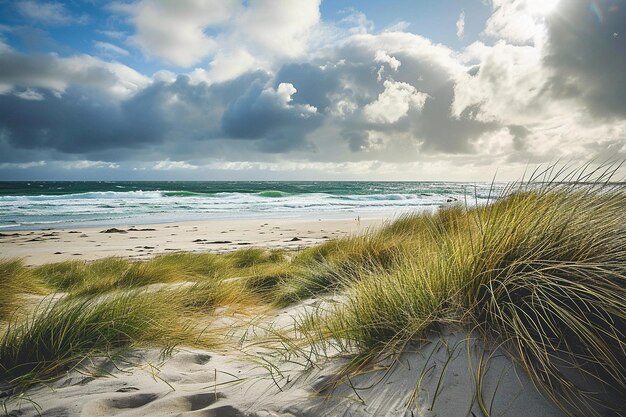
15,281
541,271
58,334
107,306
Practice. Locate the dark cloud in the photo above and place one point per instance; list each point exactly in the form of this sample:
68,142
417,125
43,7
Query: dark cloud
79,122
519,133
50,72
587,48
73,111
442,132
267,113
313,84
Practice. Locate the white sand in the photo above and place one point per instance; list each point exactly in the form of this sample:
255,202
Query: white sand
144,241
439,375
435,379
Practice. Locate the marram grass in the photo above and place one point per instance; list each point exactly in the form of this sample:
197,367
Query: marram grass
15,281
111,305
541,270
59,333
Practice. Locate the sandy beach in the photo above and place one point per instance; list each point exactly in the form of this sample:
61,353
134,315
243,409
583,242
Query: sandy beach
429,380
230,382
137,242
229,326
313,208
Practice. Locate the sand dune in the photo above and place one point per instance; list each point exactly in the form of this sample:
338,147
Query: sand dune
428,380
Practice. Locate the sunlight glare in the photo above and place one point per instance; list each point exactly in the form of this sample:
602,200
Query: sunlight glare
542,7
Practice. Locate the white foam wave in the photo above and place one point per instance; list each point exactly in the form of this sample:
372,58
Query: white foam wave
93,207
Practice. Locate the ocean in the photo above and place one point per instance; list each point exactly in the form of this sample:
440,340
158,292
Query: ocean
43,205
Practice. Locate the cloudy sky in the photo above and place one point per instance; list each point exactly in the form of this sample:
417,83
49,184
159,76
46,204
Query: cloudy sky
308,89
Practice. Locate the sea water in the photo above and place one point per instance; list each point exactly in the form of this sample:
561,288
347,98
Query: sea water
41,205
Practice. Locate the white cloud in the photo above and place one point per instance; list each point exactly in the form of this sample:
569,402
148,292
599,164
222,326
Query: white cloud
400,26
382,57
460,26
168,165
357,23
519,21
509,85
85,164
52,13
343,107
109,47
29,94
22,165
278,27
164,76
394,103
282,97
234,37
113,34
230,64
358,167
125,80
56,74
263,35
175,31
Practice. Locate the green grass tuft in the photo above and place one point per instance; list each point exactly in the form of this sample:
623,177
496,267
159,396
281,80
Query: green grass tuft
541,271
59,334
16,280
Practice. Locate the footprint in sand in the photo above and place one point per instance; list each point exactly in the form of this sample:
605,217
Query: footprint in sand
110,405
127,389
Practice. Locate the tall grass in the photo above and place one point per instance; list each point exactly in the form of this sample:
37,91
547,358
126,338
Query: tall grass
111,305
15,281
58,334
332,265
540,270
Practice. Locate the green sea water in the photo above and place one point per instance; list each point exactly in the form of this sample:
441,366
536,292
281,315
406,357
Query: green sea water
36,204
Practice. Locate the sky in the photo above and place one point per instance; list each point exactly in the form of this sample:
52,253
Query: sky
308,89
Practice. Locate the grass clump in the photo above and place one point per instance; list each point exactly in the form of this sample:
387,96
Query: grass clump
80,276
541,271
15,281
335,264
249,257
111,305
109,274
59,334
62,276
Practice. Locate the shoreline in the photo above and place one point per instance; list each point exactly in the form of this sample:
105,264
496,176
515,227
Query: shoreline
345,328
139,241
163,219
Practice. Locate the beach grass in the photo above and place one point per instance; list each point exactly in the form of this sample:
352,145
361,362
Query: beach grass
540,271
59,333
16,280
101,309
